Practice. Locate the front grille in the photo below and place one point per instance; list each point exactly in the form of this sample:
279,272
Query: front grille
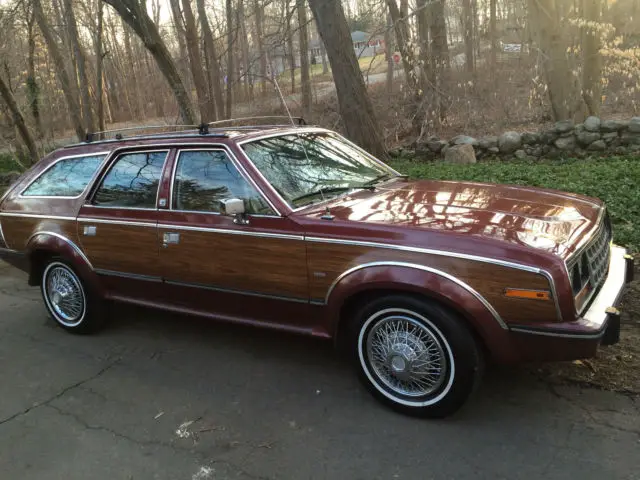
598,253
590,266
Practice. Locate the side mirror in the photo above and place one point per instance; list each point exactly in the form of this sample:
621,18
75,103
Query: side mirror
234,207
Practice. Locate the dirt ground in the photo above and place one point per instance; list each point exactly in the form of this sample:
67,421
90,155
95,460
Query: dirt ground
616,367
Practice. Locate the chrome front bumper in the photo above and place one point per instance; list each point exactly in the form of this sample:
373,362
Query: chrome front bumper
602,315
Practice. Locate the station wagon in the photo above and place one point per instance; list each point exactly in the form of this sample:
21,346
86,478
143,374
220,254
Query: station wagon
295,228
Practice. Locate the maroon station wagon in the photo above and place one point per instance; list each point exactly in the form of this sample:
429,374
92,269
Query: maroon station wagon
297,229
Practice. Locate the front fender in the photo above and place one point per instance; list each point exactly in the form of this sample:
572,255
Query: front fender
425,281
59,245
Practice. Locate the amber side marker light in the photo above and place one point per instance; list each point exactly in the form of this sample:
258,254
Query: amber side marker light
530,294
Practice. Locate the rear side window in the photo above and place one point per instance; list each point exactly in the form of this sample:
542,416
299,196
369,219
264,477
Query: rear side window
67,178
132,181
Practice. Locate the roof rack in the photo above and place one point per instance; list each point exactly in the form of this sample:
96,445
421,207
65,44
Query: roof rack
91,136
299,120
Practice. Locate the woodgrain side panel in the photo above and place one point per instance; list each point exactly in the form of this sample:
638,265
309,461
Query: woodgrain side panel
272,266
18,230
328,261
129,249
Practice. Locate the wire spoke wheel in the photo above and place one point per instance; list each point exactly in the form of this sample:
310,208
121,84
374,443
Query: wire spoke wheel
64,294
406,357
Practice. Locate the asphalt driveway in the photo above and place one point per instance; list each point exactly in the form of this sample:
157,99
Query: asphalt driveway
157,396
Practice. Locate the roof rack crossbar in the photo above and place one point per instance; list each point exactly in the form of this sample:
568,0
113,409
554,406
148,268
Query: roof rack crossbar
300,120
118,131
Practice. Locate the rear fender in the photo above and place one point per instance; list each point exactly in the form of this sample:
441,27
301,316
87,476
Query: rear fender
59,245
425,281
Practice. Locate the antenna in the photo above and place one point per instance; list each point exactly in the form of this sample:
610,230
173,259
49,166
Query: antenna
275,82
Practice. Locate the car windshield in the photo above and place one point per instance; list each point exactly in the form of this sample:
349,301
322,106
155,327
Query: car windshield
306,168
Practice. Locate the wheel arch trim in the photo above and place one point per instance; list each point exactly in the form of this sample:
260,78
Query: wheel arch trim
423,268
75,248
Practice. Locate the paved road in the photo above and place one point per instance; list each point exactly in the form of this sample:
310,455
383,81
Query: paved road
165,397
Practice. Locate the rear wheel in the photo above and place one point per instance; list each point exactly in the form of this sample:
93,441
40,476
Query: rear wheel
416,356
68,300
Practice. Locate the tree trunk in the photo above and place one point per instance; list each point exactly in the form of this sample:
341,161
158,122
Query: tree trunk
135,14
356,109
33,90
205,102
138,109
493,34
244,51
323,52
305,81
257,7
592,63
292,57
402,39
439,58
467,32
564,94
211,56
58,59
18,120
99,67
178,25
388,44
229,99
83,82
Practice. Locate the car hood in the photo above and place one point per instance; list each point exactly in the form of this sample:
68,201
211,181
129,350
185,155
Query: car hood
544,219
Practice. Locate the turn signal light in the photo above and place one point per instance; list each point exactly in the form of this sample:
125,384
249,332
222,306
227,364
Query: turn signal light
530,294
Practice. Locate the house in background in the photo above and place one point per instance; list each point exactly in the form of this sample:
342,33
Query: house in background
367,45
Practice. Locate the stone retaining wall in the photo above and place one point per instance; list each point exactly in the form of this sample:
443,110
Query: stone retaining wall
564,139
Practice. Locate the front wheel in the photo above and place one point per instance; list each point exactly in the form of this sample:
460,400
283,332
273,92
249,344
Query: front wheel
69,302
416,356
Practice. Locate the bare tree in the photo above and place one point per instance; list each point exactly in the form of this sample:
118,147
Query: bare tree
564,94
18,120
592,63
205,101
402,39
78,54
229,99
305,81
356,109
99,68
135,14
467,32
33,90
493,34
259,19
61,71
211,59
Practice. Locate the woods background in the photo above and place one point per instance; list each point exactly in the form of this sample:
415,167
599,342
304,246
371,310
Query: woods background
382,71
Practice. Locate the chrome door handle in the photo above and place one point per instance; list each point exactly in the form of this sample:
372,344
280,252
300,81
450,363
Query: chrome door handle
90,230
170,238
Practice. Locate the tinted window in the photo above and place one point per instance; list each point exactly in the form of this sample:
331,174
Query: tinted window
67,178
204,178
132,181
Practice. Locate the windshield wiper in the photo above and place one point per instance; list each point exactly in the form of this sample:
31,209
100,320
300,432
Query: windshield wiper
378,179
323,191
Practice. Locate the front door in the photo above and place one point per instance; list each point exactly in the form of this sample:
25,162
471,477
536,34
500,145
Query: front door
253,271
118,224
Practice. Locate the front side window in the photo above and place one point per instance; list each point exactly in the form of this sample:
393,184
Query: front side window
308,167
204,178
133,181
67,178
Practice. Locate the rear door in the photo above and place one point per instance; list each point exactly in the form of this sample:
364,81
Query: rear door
117,226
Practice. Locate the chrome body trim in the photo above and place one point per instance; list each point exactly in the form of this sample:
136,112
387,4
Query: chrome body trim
586,239
77,249
284,236
298,131
36,215
67,157
243,173
429,251
3,241
116,222
133,276
446,275
234,291
554,293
